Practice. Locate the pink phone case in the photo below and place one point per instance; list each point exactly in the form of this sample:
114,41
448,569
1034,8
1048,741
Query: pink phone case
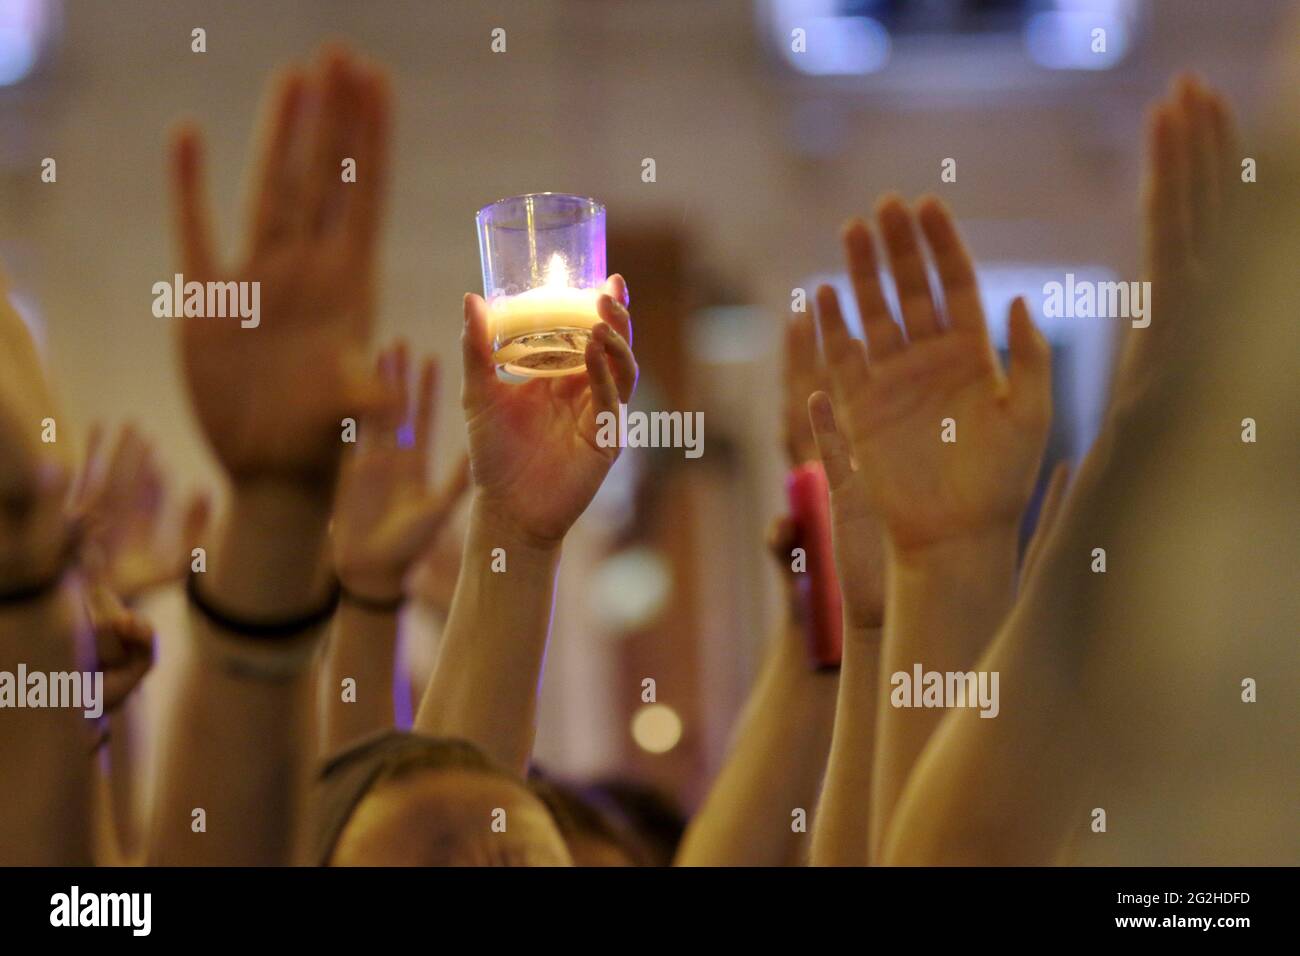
810,507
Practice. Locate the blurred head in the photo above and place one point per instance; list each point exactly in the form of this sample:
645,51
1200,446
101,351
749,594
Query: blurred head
593,837
652,816
406,800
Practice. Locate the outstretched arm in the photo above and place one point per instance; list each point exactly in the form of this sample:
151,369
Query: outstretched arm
45,787
842,833
386,516
271,400
536,466
949,448
1003,791
783,734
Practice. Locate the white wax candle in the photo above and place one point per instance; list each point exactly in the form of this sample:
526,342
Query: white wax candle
541,309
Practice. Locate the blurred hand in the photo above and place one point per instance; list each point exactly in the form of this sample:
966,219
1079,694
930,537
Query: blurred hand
34,474
123,645
803,373
1192,172
926,490
121,500
811,432
386,515
271,398
857,534
532,447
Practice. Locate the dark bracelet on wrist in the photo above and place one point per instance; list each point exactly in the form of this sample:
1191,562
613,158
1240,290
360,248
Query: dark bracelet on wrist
35,591
287,627
374,605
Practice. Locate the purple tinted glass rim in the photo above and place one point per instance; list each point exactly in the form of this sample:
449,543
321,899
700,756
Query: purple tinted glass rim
592,208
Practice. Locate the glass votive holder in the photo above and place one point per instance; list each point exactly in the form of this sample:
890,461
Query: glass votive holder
543,270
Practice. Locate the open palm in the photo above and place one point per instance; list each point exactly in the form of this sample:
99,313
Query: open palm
121,503
903,397
386,513
271,397
811,431
1189,197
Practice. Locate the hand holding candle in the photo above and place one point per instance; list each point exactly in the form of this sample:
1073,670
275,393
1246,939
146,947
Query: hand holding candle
533,453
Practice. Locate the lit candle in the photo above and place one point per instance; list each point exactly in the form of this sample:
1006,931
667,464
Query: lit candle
543,269
553,317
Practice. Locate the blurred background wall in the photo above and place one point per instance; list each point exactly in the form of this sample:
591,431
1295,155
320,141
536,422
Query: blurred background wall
760,154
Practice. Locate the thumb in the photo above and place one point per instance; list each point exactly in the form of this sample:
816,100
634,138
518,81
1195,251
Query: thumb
832,449
476,353
1031,366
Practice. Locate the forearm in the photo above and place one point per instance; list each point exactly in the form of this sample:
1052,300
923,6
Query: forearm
484,687
998,792
841,830
363,650
46,785
774,769
944,604
117,769
1005,791
241,741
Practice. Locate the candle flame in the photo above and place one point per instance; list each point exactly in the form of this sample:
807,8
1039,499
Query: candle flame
557,272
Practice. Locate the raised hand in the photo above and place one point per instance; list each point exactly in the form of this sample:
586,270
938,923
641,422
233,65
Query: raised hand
121,500
897,402
271,398
802,373
33,474
950,508
386,514
810,432
536,464
1188,196
45,787
123,644
533,448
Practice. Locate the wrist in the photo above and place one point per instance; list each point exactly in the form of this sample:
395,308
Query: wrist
52,631
282,502
380,604
270,559
368,583
35,549
978,559
497,530
865,636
